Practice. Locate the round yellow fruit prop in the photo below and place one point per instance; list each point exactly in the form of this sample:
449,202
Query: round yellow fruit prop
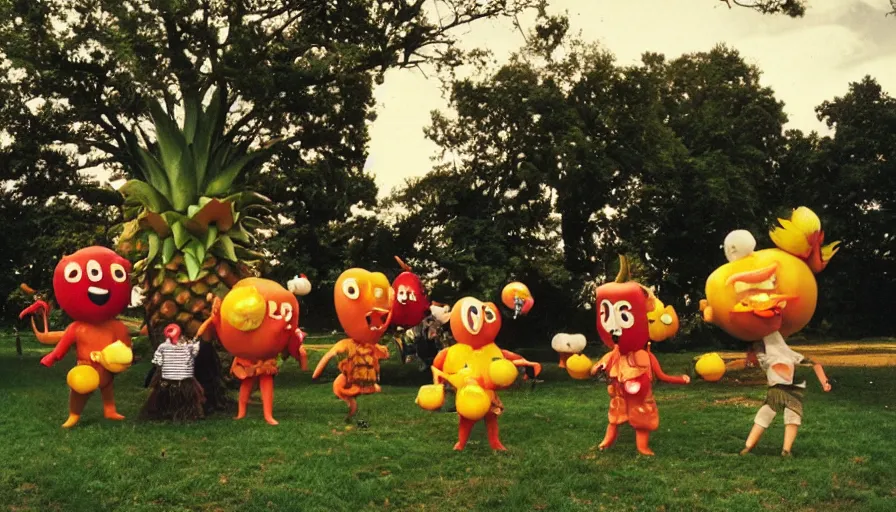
431,397
502,372
116,357
244,308
472,402
83,379
579,366
710,367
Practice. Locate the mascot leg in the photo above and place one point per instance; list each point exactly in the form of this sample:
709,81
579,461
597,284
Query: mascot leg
609,437
642,441
266,383
245,392
347,395
109,411
76,403
491,426
463,432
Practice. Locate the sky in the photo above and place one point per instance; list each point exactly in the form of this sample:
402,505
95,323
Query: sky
805,61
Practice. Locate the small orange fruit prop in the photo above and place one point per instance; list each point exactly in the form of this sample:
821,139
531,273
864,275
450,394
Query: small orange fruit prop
472,402
502,372
431,397
710,367
579,366
83,379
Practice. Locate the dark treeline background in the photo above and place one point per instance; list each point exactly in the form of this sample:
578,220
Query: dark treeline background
551,164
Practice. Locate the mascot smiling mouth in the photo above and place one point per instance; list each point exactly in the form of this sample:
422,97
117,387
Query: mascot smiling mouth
99,296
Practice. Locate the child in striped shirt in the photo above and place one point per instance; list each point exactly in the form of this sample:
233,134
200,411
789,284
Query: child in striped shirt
175,394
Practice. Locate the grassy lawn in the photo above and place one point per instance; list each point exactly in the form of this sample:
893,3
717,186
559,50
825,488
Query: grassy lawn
844,458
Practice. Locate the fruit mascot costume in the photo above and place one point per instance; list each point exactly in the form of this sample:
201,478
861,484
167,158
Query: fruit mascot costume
175,394
476,367
92,286
257,322
627,316
410,308
364,302
763,296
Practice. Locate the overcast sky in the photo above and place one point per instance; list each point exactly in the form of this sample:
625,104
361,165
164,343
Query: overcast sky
805,61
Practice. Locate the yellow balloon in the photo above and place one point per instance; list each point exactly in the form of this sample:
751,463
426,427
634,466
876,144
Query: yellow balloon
116,357
459,379
83,379
710,367
431,397
244,308
579,366
472,402
502,372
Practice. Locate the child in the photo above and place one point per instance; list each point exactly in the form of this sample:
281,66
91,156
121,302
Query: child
175,394
779,362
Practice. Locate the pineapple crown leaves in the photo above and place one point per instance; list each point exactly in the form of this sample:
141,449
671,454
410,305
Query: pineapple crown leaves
187,169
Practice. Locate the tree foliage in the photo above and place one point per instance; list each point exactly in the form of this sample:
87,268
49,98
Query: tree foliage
792,8
77,78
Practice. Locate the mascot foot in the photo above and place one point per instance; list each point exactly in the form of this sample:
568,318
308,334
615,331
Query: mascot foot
499,447
240,416
272,421
647,452
745,451
785,453
459,447
113,415
71,421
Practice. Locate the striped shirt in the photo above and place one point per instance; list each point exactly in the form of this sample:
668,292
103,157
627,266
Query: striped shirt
176,360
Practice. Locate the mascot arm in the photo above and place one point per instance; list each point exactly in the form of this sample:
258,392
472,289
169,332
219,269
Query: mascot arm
519,360
338,348
65,343
658,371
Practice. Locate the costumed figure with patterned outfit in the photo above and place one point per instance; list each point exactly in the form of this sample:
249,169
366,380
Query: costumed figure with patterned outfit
762,297
364,303
257,322
477,368
625,314
175,394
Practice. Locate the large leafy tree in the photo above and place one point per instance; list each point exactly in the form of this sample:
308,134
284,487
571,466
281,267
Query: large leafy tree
298,71
852,180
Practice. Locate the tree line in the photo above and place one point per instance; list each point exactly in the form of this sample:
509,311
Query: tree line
550,164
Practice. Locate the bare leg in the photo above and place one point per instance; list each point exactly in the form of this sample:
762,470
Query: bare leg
463,432
245,392
347,395
609,437
76,403
491,426
755,434
642,441
266,383
790,432
109,411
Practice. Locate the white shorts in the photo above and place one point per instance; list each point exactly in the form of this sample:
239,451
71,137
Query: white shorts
766,414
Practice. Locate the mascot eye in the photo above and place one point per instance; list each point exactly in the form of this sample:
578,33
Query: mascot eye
73,272
605,309
273,310
286,311
118,273
626,319
350,289
402,295
94,271
412,296
490,315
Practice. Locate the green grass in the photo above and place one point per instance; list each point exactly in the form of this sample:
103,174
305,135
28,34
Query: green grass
844,456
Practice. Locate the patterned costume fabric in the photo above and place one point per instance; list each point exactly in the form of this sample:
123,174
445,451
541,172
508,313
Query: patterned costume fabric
176,360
